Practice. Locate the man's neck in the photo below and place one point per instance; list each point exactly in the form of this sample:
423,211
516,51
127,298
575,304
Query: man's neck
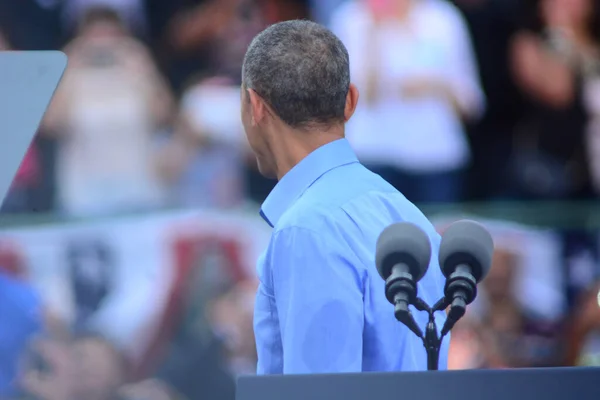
299,144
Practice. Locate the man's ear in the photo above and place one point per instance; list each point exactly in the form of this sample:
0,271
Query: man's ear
351,102
258,107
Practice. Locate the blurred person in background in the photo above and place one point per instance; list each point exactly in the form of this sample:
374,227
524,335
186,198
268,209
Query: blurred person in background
229,317
21,317
466,347
203,37
131,12
492,24
84,367
413,62
583,333
230,44
501,332
202,161
33,24
46,371
197,360
106,114
100,368
592,99
553,59
284,10
322,11
556,60
232,315
4,46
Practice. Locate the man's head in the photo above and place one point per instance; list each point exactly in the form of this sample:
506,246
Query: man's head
296,84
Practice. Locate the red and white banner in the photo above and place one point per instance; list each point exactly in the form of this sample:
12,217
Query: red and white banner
124,276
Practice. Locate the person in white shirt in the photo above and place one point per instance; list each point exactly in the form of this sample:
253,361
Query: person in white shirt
412,60
106,112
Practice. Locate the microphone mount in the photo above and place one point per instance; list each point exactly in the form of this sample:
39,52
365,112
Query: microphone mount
432,341
465,257
460,290
401,291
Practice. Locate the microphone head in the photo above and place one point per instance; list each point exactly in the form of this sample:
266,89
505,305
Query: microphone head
466,242
403,243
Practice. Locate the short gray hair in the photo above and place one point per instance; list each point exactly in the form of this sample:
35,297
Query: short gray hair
301,69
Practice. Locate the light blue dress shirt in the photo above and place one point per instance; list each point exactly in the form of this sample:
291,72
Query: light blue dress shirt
321,304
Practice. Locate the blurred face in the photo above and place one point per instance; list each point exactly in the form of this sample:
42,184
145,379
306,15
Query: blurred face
257,137
567,13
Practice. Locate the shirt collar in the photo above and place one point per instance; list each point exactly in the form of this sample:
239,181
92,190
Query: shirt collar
303,175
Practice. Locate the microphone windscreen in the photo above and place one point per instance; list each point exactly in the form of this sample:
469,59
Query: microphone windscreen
404,243
466,242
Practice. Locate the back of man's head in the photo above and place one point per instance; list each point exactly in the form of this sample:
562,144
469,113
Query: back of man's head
301,69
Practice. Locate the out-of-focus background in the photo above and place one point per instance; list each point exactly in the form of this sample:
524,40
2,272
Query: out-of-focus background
129,236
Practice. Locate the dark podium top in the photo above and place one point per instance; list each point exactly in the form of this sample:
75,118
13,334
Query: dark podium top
516,384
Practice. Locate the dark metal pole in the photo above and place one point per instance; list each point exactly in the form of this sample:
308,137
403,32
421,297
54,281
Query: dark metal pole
432,344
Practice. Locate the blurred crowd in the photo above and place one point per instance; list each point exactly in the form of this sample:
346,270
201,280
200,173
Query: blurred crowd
461,100
480,99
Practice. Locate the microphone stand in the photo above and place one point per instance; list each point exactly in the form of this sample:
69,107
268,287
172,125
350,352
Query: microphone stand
431,340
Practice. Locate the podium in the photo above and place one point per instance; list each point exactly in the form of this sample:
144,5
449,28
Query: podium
516,384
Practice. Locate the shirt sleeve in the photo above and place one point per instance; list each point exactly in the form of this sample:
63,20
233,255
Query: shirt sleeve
318,290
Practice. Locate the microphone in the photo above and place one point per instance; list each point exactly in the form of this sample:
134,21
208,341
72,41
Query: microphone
465,258
402,258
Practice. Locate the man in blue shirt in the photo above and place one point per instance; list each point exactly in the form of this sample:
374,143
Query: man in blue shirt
321,305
